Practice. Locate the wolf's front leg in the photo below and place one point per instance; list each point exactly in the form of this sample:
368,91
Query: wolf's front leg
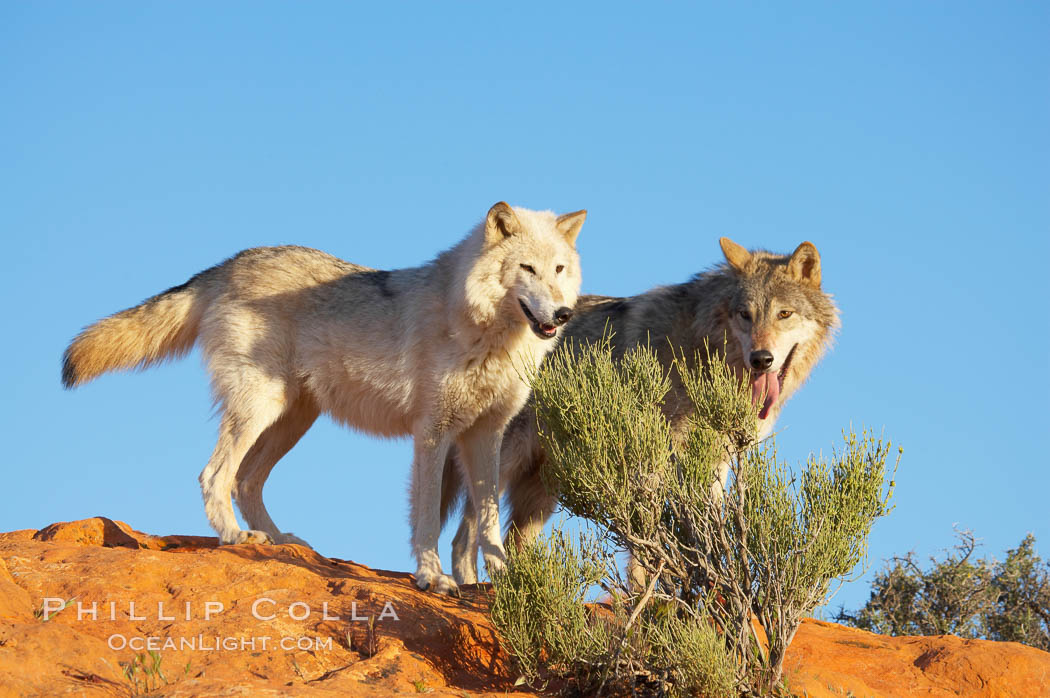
430,453
480,448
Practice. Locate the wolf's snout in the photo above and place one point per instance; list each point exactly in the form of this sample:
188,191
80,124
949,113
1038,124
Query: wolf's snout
562,315
761,359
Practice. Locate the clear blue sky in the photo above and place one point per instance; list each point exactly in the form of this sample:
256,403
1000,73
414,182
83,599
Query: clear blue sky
142,142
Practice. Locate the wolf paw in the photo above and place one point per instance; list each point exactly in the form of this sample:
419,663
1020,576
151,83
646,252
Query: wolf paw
495,558
494,564
292,538
253,537
437,583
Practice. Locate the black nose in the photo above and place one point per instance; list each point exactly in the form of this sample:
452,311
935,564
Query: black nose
761,359
562,315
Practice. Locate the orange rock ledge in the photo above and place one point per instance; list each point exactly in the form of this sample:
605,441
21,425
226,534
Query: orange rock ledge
285,621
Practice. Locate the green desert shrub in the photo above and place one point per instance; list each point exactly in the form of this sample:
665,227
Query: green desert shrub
688,651
959,595
540,611
719,583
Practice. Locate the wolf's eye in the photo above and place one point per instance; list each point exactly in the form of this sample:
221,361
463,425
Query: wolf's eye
559,269
528,268
785,314
744,315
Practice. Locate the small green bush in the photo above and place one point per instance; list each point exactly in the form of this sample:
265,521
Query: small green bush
690,652
1008,601
707,566
540,612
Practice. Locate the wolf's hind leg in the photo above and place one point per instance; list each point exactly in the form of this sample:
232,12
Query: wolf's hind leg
451,486
718,486
464,565
242,424
270,447
530,504
465,546
480,451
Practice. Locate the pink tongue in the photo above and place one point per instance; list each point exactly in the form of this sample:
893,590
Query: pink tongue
768,385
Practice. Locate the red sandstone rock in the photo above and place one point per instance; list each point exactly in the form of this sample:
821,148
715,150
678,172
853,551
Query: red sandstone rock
441,645
826,659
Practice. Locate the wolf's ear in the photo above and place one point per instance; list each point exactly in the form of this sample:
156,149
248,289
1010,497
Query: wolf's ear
737,256
501,223
569,224
804,264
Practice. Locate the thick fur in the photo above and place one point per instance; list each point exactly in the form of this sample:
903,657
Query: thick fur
437,352
708,310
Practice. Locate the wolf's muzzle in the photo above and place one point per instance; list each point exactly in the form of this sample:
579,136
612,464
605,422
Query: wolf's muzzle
761,360
562,315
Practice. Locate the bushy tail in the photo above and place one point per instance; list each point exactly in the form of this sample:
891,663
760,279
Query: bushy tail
162,327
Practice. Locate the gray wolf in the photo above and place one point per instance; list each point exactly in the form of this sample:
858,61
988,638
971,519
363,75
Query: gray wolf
436,351
765,313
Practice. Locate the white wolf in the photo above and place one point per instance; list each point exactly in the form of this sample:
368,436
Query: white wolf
436,351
